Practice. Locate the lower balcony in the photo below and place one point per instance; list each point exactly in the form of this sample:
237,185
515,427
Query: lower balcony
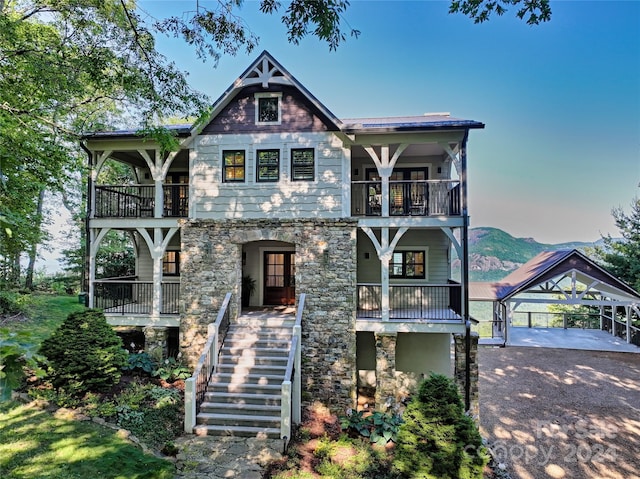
128,296
411,306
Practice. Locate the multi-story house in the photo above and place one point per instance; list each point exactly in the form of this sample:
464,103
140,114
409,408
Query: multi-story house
363,216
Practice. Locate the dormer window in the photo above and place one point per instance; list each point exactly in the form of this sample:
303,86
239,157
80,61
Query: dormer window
268,108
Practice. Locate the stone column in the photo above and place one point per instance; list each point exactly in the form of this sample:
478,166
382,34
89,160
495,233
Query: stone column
460,372
385,371
155,342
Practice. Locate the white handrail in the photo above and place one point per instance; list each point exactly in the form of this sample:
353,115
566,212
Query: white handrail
205,367
291,407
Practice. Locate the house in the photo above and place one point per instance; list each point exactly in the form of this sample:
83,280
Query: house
360,215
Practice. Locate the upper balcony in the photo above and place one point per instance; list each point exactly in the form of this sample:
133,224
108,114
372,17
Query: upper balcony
138,201
424,198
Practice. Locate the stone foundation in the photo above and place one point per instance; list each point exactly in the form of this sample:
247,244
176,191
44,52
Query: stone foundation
155,342
211,266
460,372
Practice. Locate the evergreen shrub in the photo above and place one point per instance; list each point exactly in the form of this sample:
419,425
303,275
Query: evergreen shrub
437,439
84,354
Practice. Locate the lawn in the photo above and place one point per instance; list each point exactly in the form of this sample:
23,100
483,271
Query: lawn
35,443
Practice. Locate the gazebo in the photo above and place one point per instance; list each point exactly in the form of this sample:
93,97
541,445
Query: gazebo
565,277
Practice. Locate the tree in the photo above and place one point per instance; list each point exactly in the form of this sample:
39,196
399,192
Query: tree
621,256
534,11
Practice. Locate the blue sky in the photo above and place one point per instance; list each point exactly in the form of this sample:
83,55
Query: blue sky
561,101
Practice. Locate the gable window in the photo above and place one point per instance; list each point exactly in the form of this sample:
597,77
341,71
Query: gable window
268,108
233,165
171,263
407,264
302,164
268,165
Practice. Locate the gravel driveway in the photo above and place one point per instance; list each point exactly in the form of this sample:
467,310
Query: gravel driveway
561,413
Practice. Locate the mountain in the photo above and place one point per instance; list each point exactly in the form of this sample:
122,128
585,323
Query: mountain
494,253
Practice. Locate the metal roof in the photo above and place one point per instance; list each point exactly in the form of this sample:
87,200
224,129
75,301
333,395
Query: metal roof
180,130
541,268
435,121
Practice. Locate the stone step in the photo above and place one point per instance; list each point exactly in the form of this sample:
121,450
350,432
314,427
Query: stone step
250,398
253,343
270,322
246,431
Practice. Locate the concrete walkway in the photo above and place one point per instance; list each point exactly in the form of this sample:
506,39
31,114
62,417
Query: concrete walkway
211,457
586,339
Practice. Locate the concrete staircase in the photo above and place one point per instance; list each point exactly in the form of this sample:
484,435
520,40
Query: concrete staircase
243,396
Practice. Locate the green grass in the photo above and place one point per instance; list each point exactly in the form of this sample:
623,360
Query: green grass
45,313
37,444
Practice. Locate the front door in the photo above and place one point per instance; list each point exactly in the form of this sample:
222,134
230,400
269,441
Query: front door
279,277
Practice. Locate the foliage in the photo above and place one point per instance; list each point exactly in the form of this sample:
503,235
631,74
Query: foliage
84,353
172,369
534,11
10,302
378,427
576,316
621,256
140,363
36,443
17,352
116,257
437,439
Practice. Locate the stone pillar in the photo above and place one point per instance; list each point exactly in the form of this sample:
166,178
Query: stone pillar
385,371
155,342
460,371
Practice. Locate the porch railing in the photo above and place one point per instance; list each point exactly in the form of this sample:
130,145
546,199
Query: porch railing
545,319
407,198
131,201
196,386
138,201
291,390
129,296
431,302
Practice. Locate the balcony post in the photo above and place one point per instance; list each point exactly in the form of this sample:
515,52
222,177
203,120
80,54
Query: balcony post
158,198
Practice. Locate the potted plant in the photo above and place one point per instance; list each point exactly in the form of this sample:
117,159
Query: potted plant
248,288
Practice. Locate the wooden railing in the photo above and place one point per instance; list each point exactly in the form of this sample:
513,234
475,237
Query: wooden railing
291,390
126,295
546,319
196,385
407,198
430,302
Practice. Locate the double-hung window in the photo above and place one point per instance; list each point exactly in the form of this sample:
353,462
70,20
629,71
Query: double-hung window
407,264
171,263
233,165
268,165
302,164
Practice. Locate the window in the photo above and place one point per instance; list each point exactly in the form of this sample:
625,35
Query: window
268,165
171,263
302,164
233,165
407,264
268,108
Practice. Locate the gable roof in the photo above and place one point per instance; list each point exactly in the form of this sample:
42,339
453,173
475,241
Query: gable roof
265,71
546,266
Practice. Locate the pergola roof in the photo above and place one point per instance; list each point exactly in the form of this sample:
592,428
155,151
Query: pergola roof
545,269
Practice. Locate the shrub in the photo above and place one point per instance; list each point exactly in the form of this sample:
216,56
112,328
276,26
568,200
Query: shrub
379,427
437,439
84,354
140,363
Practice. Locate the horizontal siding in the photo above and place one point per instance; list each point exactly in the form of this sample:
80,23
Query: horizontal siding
282,199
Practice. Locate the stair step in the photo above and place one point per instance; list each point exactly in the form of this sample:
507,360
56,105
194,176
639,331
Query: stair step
240,409
272,369
244,388
238,350
213,419
239,399
257,344
253,379
207,430
227,358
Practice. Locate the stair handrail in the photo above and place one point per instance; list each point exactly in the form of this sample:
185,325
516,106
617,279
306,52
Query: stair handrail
196,386
291,390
